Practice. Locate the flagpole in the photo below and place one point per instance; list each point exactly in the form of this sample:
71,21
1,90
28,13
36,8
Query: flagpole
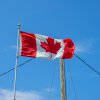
62,80
16,64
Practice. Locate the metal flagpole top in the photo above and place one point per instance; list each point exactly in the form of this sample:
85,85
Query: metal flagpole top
19,25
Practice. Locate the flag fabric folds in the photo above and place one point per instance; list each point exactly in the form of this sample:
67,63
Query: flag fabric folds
35,45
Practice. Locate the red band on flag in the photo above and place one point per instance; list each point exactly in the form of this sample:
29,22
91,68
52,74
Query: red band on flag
28,44
68,49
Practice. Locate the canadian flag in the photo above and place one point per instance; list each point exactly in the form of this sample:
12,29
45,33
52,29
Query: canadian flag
36,45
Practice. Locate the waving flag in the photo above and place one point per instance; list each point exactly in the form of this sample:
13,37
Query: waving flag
35,45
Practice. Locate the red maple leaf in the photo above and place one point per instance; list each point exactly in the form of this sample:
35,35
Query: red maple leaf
51,46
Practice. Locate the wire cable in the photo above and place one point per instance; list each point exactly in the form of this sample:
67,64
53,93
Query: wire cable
14,68
52,80
87,64
32,59
24,64
70,73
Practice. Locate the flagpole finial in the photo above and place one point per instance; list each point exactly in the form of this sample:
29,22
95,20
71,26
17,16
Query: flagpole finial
19,27
19,24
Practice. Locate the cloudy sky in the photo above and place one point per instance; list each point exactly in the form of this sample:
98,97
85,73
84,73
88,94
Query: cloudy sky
75,19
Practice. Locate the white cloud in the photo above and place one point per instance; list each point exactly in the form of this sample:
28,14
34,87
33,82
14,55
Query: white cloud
13,47
21,95
84,46
79,48
50,90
